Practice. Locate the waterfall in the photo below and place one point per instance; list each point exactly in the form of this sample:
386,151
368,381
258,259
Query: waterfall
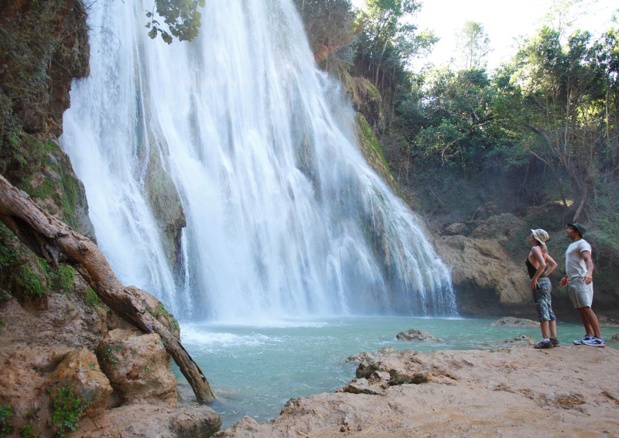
223,175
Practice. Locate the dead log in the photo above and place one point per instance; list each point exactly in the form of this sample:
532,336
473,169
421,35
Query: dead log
57,243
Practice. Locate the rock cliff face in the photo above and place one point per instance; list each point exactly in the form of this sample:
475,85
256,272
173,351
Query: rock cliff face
165,201
488,280
44,47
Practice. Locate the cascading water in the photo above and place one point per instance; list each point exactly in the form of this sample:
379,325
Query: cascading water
223,175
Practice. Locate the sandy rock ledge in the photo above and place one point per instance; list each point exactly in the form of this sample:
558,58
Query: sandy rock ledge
514,391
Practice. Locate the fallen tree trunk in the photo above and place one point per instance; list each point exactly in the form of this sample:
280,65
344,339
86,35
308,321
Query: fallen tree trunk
57,243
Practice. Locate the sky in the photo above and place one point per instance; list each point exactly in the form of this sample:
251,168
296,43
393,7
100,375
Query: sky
503,21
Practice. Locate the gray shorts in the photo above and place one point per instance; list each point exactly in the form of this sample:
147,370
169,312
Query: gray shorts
581,294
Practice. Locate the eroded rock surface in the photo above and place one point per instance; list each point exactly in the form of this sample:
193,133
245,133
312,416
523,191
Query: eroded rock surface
510,391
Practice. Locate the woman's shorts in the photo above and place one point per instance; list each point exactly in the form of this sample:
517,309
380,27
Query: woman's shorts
543,300
581,294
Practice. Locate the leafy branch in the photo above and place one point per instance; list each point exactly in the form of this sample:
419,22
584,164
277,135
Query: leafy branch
182,18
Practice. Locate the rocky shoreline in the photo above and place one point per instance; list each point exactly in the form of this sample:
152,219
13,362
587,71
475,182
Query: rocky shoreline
511,390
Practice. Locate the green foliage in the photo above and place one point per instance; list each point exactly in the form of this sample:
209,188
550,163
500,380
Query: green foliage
370,138
60,186
26,279
6,420
564,96
182,18
456,123
162,311
556,104
26,155
28,431
91,299
604,209
21,155
8,251
27,283
61,278
67,409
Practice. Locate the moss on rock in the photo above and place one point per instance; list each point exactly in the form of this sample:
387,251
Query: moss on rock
373,152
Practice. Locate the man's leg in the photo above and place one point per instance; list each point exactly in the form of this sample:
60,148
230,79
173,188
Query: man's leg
593,322
584,317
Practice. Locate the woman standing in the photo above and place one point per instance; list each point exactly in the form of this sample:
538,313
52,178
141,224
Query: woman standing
540,265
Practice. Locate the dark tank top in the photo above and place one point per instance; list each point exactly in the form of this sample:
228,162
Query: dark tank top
532,269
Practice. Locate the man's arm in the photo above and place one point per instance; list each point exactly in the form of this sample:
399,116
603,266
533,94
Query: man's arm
586,256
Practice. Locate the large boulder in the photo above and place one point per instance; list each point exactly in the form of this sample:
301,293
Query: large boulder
417,335
146,420
138,367
24,381
79,377
484,275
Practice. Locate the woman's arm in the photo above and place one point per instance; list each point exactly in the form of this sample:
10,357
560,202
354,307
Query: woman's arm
552,265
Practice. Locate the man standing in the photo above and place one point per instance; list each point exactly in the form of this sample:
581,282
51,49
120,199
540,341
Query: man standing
579,279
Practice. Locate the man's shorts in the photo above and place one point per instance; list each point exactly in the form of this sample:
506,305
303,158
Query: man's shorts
543,300
581,294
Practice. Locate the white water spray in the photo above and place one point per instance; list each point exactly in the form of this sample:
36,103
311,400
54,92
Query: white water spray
241,134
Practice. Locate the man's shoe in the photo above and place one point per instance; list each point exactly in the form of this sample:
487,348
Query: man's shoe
554,342
582,340
594,342
544,344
